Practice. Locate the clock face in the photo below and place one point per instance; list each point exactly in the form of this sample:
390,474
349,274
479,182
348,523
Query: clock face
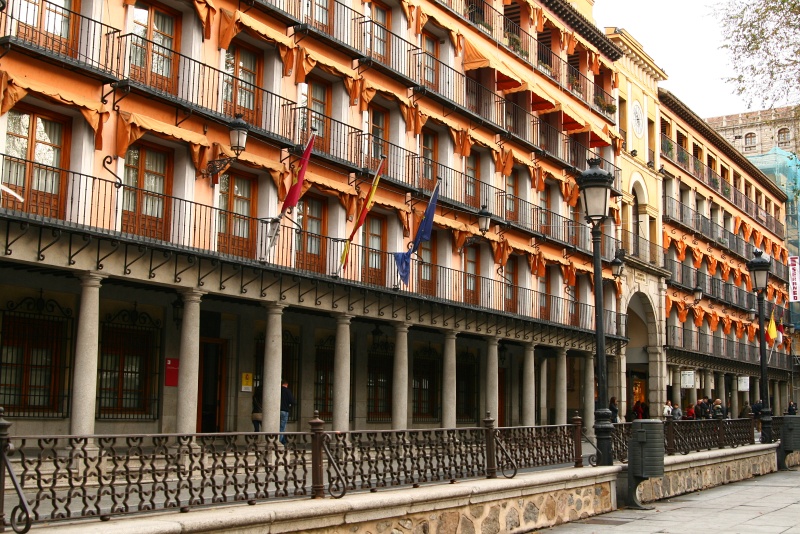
638,119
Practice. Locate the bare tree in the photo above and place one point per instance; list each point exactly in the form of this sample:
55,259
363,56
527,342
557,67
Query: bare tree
763,39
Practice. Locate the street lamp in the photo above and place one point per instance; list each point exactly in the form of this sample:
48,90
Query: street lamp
238,138
595,187
759,270
484,220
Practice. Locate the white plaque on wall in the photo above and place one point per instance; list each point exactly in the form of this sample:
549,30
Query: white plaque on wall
687,380
744,383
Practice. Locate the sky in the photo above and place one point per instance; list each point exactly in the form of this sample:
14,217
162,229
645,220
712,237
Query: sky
684,40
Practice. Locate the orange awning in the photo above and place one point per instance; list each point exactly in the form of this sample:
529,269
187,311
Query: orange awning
477,55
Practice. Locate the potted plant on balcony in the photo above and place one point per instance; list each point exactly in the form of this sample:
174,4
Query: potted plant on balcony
726,189
683,157
545,68
574,83
514,42
485,27
667,148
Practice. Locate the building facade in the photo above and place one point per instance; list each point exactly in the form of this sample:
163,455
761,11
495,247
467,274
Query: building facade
143,294
717,208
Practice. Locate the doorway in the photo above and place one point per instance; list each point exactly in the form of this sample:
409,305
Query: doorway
211,387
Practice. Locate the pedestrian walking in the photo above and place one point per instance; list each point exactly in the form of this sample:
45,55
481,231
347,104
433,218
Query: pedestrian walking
677,413
257,414
287,401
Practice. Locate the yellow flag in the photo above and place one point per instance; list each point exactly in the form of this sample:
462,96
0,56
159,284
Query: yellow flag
772,330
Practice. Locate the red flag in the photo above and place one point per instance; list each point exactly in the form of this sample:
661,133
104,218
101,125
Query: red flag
293,196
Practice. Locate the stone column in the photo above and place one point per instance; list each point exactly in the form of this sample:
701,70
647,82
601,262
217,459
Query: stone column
84,390
588,393
189,370
693,391
622,397
449,381
707,383
657,383
777,407
341,375
561,386
529,387
720,387
272,370
784,389
755,387
492,374
747,395
400,378
543,416
675,392
733,409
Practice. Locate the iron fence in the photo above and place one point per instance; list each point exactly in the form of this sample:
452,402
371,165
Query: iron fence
70,477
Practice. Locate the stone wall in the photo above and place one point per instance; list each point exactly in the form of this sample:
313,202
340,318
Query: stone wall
703,470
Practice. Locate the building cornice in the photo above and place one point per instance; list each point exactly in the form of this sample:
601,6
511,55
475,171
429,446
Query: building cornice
634,51
672,103
584,27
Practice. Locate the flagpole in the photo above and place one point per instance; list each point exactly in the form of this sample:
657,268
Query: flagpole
368,201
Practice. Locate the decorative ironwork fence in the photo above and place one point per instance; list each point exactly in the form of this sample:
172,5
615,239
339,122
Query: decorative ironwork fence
72,477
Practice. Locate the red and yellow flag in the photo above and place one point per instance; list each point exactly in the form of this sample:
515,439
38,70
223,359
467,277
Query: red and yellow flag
370,200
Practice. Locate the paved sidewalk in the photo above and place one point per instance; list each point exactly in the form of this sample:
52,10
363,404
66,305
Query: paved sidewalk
764,504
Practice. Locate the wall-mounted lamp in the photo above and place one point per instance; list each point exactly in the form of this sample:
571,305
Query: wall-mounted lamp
634,152
177,312
618,263
484,218
790,329
697,295
751,314
238,138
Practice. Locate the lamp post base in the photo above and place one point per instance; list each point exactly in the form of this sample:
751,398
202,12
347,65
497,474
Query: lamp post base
766,425
603,428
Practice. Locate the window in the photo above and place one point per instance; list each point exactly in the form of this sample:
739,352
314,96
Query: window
544,296
573,292
472,283
783,136
379,130
430,149
37,144
512,282
374,239
379,37
240,85
749,141
430,63
323,379
310,243
473,180
318,99
322,14
379,379
34,370
236,224
512,201
427,266
147,181
152,54
544,211
426,386
467,388
127,373
50,25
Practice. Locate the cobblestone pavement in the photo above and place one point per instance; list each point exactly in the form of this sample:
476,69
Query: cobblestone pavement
764,504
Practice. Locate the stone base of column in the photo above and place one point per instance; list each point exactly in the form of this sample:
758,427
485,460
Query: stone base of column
603,428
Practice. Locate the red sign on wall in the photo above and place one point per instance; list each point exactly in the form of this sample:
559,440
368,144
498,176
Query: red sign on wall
171,374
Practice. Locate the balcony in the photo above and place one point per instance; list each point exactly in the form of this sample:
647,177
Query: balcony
459,188
389,53
604,103
687,340
642,249
68,39
553,142
579,156
334,24
522,126
682,158
107,208
400,166
179,80
687,277
335,141
454,90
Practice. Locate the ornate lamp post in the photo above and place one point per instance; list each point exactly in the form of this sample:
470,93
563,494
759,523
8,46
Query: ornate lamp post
595,188
759,270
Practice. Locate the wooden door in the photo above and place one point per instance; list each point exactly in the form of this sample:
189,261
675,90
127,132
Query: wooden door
310,242
430,152
426,267
321,15
154,62
318,108
52,25
511,285
373,270
240,90
430,66
147,182
379,40
236,226
211,386
472,185
472,282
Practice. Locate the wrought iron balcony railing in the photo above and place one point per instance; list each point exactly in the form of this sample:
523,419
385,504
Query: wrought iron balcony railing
388,51
553,142
335,141
115,209
522,125
401,165
176,78
681,338
687,277
681,157
642,249
56,33
678,212
339,24
579,154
